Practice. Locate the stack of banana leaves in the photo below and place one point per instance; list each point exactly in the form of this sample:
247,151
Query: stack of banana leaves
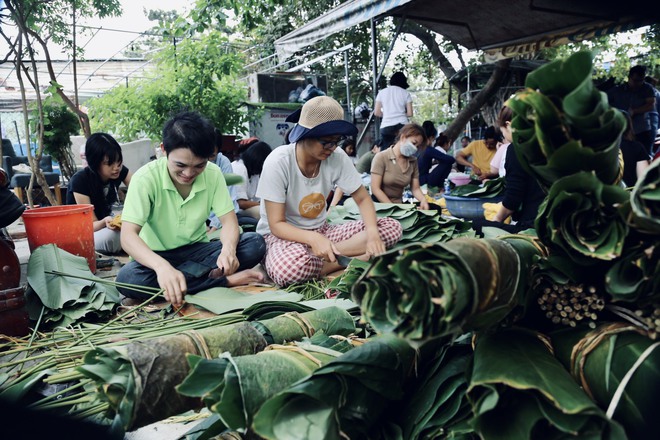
488,189
418,226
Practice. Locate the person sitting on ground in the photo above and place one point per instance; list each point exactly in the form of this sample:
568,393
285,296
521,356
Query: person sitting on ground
396,168
498,163
98,185
522,193
465,141
435,164
249,167
363,164
295,183
481,151
349,149
222,161
164,220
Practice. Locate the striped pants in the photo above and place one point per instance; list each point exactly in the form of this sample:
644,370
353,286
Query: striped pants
288,262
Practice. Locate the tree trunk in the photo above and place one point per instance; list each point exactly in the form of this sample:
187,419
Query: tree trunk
428,39
474,106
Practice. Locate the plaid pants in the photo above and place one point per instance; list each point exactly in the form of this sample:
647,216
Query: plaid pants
289,262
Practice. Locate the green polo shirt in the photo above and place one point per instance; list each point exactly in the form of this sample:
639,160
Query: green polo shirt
167,220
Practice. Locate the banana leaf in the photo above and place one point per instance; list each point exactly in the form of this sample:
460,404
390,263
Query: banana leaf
341,285
645,200
580,218
436,401
65,299
618,365
344,398
418,225
426,291
519,391
634,277
563,125
145,391
221,300
232,179
490,188
236,387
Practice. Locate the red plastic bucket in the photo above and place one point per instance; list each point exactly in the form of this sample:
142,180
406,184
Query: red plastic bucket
69,227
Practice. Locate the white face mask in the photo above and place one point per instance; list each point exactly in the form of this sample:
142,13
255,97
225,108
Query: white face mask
408,149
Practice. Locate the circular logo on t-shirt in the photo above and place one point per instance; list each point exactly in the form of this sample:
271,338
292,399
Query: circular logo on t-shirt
312,205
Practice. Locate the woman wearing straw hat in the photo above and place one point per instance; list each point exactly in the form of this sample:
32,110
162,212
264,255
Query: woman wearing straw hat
295,183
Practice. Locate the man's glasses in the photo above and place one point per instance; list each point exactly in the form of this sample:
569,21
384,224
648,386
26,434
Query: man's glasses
331,145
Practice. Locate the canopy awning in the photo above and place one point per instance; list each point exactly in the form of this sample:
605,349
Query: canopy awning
503,28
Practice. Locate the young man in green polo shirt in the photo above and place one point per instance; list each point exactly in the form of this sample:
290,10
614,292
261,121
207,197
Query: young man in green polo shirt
164,220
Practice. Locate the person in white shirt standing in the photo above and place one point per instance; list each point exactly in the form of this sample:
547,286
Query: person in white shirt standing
394,106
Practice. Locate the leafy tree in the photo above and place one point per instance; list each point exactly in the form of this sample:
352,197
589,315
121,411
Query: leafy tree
194,73
37,22
59,125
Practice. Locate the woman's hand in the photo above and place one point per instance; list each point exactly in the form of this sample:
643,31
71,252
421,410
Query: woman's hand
375,245
108,223
323,248
424,205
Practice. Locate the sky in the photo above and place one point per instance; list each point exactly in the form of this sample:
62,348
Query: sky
118,31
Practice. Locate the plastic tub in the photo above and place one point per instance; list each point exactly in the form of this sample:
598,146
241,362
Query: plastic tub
468,207
69,227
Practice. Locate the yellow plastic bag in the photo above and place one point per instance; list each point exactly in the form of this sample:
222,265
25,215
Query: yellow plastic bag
490,209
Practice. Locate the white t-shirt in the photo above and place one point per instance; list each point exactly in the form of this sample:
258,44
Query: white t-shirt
305,199
247,190
393,100
499,159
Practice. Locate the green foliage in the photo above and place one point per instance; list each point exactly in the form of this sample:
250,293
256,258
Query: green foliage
59,125
195,74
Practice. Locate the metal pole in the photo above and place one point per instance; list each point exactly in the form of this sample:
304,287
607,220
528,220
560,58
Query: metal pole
374,62
348,88
18,136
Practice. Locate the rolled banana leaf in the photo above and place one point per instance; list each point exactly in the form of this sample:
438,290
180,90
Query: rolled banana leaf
520,391
580,218
236,387
635,276
436,400
426,291
143,389
344,398
645,200
563,125
618,365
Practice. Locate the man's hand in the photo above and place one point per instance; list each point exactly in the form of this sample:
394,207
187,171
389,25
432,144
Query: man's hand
228,262
476,170
173,282
109,224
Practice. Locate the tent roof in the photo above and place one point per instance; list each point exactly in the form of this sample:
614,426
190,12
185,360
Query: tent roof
509,26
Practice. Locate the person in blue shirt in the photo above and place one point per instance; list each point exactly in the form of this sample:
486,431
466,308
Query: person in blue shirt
436,155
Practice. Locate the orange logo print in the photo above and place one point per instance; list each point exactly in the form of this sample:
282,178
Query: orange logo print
312,205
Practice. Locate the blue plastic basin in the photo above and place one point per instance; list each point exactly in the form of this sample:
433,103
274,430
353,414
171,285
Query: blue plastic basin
468,207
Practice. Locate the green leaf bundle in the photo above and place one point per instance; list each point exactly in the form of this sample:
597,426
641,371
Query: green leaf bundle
344,398
418,226
489,189
425,291
581,218
520,391
645,200
236,387
65,300
618,365
158,365
563,125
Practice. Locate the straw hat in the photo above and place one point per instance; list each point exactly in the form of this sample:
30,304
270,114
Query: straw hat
319,117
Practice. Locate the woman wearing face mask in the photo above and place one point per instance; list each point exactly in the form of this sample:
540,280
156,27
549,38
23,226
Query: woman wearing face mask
396,168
